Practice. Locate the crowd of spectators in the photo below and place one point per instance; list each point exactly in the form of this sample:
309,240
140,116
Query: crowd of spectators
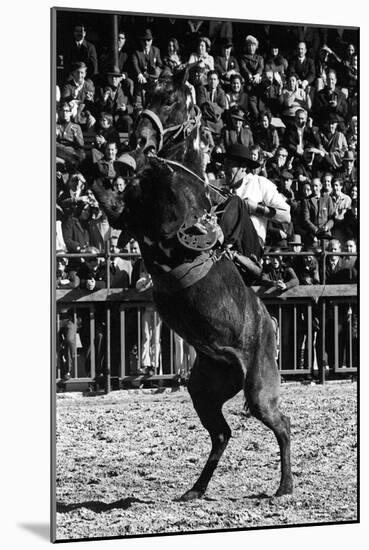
288,93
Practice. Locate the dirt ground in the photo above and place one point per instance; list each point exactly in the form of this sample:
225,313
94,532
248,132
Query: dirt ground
124,458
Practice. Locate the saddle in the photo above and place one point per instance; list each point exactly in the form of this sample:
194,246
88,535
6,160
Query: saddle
200,233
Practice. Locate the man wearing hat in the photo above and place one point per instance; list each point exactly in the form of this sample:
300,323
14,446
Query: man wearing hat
226,64
237,131
262,200
334,142
146,60
114,100
349,171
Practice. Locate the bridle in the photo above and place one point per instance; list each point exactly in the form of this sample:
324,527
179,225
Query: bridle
171,132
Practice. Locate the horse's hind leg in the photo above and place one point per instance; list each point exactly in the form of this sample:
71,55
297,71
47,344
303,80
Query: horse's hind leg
262,396
208,396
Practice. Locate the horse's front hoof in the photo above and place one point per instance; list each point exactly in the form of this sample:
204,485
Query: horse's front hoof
192,494
285,489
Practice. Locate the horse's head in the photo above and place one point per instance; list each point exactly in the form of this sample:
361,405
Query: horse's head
168,107
161,199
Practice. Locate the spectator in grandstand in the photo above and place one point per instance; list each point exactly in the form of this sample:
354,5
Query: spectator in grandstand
349,173
115,101
105,132
237,130
303,67
293,98
75,229
98,226
108,167
212,118
147,64
213,91
120,268
326,180
327,59
173,59
350,262
251,68
251,63
69,139
78,88
297,208
80,50
318,214
65,278
301,137
79,92
269,93
341,201
333,142
307,268
226,64
330,100
350,221
266,136
237,97
276,63
352,134
150,321
281,277
74,194
201,56
92,272
276,165
277,274
334,262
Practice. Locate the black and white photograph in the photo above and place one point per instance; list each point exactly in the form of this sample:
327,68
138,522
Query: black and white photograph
206,267
184,341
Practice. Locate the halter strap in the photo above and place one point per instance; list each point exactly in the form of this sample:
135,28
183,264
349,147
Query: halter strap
190,122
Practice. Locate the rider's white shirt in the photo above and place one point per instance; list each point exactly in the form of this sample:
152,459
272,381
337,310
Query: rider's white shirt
260,189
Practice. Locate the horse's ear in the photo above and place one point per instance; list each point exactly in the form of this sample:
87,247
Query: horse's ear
180,77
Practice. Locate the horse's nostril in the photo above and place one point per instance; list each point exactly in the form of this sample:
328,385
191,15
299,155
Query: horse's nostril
141,142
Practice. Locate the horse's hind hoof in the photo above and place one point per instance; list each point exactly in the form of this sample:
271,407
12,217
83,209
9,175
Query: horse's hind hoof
286,489
192,494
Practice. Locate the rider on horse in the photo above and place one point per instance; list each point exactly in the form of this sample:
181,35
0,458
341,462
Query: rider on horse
254,200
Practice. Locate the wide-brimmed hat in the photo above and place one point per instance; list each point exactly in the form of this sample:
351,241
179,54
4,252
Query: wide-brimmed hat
239,153
349,155
128,160
286,175
237,114
146,35
113,71
333,117
295,240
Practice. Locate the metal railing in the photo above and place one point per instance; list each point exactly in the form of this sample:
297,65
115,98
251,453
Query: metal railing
298,311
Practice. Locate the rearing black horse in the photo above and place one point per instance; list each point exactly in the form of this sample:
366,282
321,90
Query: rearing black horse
199,293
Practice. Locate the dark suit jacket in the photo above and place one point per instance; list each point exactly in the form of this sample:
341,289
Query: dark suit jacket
86,53
230,137
291,139
318,212
75,234
219,98
222,66
304,70
144,65
322,107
